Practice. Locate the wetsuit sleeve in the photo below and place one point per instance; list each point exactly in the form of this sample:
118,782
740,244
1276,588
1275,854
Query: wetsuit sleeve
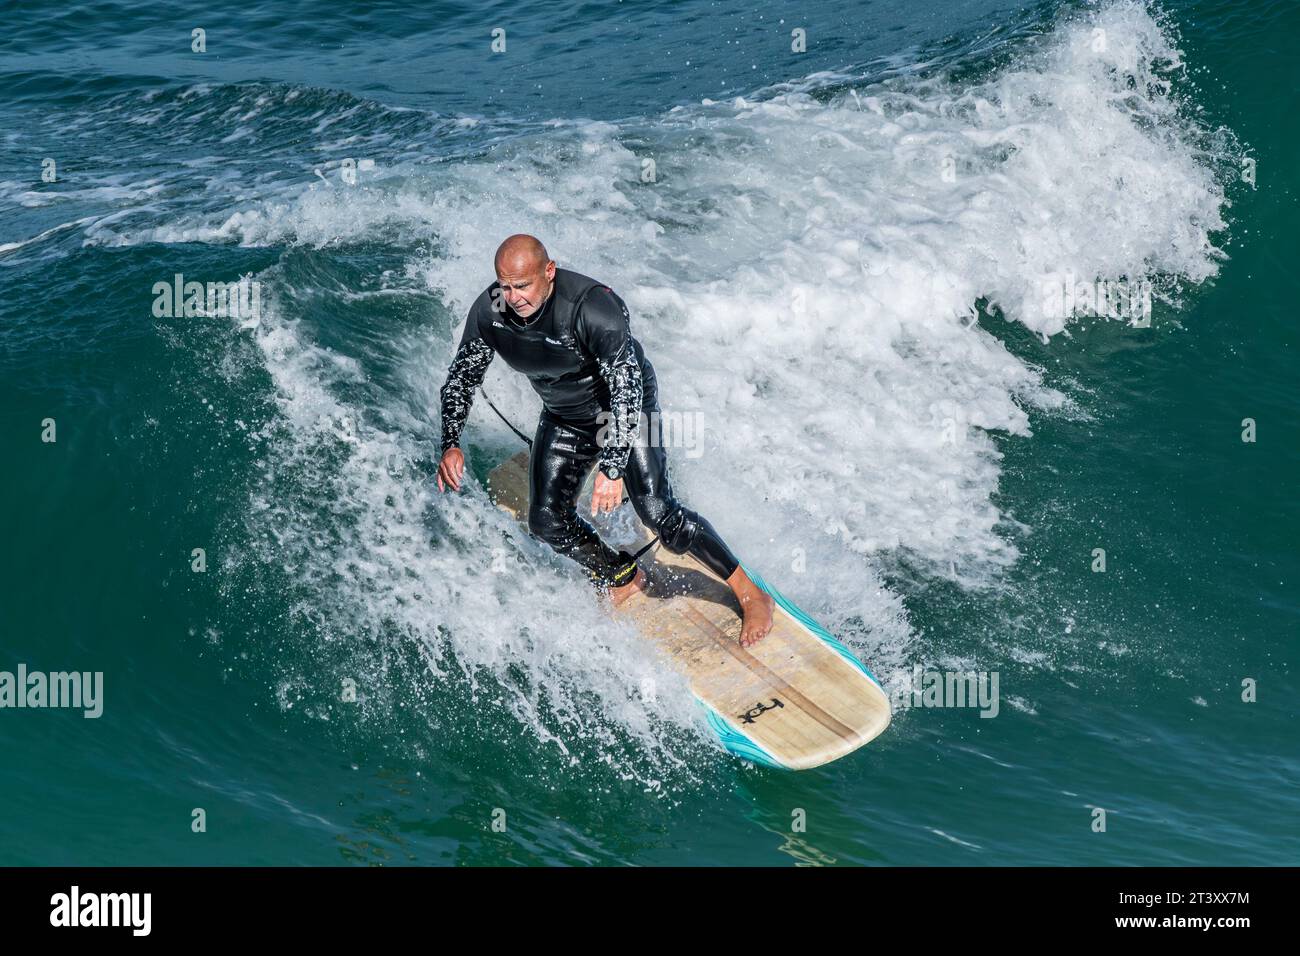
604,329
463,376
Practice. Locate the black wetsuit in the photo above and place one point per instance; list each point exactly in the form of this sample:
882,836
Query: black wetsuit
592,375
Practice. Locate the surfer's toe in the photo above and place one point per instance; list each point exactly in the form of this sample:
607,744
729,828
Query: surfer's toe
758,619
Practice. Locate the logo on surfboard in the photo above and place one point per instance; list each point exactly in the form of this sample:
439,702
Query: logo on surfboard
751,715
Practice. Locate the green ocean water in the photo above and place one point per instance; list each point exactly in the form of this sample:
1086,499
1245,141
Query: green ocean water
299,454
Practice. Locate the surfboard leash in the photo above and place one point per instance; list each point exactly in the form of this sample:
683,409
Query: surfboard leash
529,442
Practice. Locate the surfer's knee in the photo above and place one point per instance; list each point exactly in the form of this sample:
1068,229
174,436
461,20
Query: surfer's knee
677,530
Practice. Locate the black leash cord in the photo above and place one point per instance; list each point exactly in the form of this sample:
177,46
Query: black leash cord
528,440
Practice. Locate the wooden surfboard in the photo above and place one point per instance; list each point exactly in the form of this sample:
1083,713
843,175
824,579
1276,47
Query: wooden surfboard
796,699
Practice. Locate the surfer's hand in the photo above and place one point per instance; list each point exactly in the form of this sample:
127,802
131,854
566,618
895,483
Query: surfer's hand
606,495
451,468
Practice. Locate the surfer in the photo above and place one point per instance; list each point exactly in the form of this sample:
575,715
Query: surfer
572,337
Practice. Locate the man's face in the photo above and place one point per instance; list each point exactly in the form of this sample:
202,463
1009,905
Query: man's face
525,285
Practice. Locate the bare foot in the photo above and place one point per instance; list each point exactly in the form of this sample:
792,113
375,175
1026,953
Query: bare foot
757,606
620,594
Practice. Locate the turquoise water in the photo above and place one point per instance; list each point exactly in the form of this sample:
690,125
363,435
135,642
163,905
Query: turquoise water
838,262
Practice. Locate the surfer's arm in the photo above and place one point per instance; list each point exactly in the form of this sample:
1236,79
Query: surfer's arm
463,376
605,329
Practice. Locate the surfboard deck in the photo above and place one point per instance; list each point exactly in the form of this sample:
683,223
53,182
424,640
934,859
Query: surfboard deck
797,699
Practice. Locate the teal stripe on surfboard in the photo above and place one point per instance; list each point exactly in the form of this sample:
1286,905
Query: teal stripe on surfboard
736,742
803,618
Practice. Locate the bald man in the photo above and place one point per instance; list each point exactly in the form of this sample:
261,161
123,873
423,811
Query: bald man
572,337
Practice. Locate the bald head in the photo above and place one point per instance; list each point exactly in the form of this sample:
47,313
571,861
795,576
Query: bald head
521,252
525,273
